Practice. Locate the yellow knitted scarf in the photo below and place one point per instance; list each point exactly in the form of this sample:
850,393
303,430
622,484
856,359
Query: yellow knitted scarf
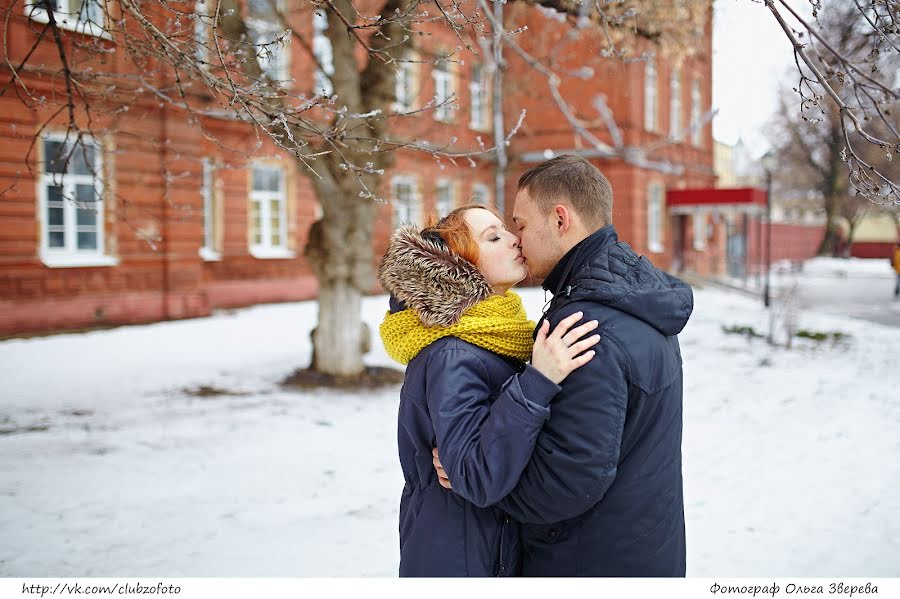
498,324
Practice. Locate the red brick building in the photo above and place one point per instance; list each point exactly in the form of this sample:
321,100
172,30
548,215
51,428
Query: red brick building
176,225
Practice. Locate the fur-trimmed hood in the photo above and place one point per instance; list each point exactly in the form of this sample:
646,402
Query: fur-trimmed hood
423,274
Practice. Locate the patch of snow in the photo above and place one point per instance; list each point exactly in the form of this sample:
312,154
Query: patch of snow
791,457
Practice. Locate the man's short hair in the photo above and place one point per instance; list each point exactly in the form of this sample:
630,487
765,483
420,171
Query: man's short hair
574,180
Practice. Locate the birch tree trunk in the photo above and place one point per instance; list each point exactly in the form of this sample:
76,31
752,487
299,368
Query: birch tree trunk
340,253
340,244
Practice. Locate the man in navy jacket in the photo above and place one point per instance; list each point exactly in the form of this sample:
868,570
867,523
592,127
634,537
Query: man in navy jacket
602,493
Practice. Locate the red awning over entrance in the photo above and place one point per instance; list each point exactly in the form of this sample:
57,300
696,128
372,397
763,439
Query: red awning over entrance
742,200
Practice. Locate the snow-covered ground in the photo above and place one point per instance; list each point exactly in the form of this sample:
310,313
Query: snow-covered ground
109,468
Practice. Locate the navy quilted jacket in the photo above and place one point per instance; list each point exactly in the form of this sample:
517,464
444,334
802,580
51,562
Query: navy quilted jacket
484,412
602,494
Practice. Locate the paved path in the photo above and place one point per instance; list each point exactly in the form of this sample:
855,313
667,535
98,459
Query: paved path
866,295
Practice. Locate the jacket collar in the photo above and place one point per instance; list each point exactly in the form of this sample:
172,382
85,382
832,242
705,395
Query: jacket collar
578,256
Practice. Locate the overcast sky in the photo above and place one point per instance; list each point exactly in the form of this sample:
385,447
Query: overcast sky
751,54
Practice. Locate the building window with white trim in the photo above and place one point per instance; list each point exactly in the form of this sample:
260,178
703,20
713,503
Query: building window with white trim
655,199
202,30
444,200
443,91
268,212
406,84
405,198
699,231
83,16
210,250
480,98
481,194
269,37
676,129
696,109
324,56
651,95
71,206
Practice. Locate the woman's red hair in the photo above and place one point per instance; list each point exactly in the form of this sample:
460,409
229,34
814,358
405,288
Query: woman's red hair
455,231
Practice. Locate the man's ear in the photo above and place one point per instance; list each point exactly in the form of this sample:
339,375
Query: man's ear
563,218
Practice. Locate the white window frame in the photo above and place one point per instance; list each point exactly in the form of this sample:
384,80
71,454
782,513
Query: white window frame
265,249
68,20
696,113
444,89
699,225
406,84
202,30
69,255
209,251
676,128
448,187
655,214
481,190
411,207
479,98
651,95
262,31
324,55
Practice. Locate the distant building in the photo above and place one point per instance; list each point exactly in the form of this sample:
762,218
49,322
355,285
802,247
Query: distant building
739,201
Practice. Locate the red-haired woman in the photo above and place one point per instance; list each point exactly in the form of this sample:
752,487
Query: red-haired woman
469,389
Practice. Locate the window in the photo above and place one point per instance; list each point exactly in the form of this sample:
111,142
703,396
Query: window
443,91
696,101
268,35
83,16
210,225
481,194
675,127
479,93
71,210
202,30
403,191
655,217
700,231
444,198
651,95
323,54
268,218
406,84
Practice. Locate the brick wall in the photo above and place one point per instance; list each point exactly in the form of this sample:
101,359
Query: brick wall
153,219
792,242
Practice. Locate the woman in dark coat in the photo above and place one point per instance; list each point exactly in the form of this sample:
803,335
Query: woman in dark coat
468,388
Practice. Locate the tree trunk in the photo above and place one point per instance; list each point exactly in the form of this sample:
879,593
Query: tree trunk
830,243
340,253
851,233
337,339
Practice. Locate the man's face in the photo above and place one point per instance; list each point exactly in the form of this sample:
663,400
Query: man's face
538,236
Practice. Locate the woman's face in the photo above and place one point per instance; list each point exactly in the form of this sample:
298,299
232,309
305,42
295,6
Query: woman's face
500,259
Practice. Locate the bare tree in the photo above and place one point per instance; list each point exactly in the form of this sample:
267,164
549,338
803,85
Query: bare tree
819,142
810,158
847,59
214,60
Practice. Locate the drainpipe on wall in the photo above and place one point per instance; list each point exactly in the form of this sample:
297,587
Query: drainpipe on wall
163,157
497,108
